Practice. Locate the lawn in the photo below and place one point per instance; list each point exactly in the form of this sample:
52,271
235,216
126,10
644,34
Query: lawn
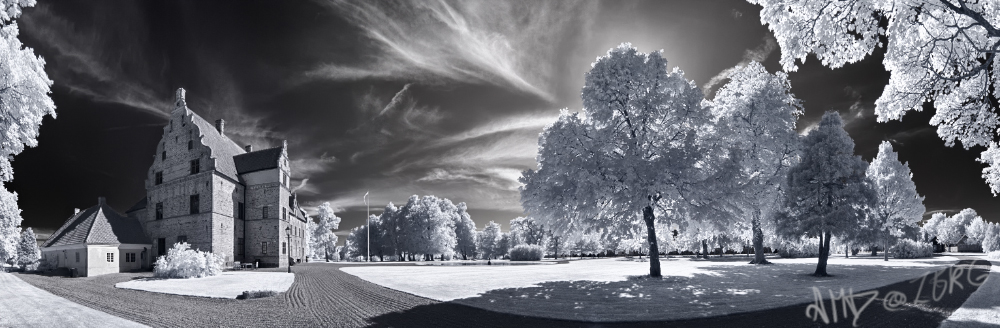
615,289
225,285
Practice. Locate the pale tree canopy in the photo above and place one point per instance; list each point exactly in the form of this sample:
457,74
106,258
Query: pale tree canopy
638,145
951,230
24,101
757,113
897,205
526,230
465,231
930,228
940,51
28,253
322,241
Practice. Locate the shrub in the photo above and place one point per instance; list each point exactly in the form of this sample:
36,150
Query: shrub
526,253
183,262
256,294
805,248
911,249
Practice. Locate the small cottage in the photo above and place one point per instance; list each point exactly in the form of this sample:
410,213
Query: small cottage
97,241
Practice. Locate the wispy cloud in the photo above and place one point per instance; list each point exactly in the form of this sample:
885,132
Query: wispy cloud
489,42
758,54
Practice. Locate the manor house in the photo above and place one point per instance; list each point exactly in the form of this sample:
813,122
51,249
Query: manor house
208,191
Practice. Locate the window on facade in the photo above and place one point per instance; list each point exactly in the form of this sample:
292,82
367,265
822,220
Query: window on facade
239,246
161,246
263,213
195,166
163,155
239,210
284,214
159,178
284,248
111,257
159,211
195,204
78,257
263,247
190,144
182,239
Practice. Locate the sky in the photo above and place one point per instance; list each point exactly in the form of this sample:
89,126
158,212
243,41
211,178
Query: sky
400,97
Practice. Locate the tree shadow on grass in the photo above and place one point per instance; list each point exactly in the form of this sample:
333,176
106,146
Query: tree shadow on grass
689,301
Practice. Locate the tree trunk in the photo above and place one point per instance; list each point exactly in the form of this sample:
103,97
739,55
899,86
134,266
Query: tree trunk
704,249
758,243
874,250
885,250
847,250
654,250
824,253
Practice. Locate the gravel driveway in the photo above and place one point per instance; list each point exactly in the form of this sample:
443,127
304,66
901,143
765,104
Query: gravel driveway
323,295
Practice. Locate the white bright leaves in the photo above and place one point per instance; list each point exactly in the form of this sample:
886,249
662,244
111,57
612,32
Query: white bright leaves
24,101
898,203
322,240
938,51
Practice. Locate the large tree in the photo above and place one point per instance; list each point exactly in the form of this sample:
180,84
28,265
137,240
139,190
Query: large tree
322,240
526,230
828,192
24,101
465,232
940,51
951,230
898,205
489,241
636,148
758,111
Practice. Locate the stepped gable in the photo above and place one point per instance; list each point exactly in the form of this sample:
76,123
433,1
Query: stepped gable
223,148
258,160
98,225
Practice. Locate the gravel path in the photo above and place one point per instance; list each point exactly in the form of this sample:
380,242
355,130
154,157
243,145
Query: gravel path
322,295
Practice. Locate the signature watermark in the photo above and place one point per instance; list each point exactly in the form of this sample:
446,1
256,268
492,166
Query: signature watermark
942,282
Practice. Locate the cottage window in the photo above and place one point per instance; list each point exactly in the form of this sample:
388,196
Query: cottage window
159,178
284,214
284,248
195,166
195,204
111,257
159,211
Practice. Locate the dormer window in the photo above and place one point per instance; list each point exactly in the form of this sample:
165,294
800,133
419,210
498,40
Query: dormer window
163,155
159,177
190,144
195,166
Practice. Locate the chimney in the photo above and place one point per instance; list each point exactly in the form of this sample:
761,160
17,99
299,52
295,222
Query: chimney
76,211
220,125
248,148
100,201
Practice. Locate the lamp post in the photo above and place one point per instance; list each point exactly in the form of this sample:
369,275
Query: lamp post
368,220
288,240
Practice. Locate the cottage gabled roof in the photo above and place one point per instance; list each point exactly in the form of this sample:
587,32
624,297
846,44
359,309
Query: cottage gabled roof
258,160
223,148
98,225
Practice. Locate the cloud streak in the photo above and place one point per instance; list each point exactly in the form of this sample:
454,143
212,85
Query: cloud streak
758,54
488,42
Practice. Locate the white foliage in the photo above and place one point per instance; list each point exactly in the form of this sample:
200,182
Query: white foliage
527,252
991,239
10,219
490,241
322,240
897,205
183,262
938,51
911,249
28,253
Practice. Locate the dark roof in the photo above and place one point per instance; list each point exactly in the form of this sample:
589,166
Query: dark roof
223,148
258,160
141,204
101,225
